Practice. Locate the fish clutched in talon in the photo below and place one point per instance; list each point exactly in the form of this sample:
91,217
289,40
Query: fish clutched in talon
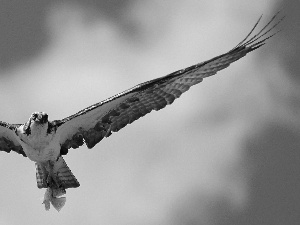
56,177
51,196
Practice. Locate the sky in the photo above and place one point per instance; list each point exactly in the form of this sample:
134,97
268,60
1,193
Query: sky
226,152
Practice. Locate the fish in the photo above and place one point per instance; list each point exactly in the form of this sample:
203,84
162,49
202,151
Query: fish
52,195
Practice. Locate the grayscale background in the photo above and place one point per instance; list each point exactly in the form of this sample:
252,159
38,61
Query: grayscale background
226,153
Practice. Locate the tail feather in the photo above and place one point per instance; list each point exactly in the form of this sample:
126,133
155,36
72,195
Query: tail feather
61,175
41,176
64,176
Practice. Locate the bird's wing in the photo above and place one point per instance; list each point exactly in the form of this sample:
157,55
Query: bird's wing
8,138
92,124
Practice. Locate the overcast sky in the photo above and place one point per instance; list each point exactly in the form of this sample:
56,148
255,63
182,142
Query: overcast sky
226,152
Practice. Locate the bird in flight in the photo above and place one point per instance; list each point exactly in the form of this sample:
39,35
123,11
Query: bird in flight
45,142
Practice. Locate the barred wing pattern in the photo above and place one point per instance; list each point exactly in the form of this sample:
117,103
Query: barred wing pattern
8,138
94,123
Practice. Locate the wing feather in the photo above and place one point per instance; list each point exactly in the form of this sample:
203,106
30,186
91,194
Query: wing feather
8,138
92,124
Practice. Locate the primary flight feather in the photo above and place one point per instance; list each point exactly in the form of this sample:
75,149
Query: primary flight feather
44,142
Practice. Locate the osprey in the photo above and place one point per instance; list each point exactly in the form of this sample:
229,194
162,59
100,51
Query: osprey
45,142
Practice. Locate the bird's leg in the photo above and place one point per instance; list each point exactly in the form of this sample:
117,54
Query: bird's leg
53,190
51,178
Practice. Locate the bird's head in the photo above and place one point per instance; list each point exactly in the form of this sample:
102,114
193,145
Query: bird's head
36,122
39,117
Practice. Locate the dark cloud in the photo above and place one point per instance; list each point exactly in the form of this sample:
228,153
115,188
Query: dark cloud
23,30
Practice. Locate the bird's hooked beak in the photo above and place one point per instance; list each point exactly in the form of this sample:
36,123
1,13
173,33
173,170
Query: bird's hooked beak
39,117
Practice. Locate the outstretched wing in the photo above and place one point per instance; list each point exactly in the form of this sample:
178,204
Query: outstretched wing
92,124
8,138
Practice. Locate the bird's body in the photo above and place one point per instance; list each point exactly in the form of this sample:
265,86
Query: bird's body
40,146
45,142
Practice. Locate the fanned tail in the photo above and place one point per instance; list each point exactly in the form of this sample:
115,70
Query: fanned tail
58,176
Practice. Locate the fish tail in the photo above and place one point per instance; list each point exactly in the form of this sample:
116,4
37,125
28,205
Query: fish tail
58,203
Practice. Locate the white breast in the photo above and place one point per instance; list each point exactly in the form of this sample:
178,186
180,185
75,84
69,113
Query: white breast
38,145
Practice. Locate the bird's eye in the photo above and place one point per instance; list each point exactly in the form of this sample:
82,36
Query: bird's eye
33,115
